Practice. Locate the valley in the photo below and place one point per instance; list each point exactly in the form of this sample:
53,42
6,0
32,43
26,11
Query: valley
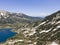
33,31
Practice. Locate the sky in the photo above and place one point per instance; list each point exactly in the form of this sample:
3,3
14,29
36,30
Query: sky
39,8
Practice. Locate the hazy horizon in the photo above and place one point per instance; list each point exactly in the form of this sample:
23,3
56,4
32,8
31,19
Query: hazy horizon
36,8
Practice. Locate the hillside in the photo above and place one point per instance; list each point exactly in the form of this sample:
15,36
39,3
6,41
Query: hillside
43,32
10,18
49,29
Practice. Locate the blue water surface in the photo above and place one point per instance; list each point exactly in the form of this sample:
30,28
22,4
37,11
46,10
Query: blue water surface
5,34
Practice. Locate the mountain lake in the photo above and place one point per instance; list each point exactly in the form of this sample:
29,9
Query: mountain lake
5,34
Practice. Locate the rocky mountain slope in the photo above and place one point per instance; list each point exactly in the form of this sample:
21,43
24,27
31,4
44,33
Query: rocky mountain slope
37,33
8,17
49,29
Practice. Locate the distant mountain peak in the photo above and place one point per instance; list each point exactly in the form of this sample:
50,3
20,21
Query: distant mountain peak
11,17
3,12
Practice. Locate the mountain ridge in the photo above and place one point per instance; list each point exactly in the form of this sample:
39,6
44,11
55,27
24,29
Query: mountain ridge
9,17
49,29
42,32
52,15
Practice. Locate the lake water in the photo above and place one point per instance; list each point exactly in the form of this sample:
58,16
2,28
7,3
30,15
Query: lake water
5,34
